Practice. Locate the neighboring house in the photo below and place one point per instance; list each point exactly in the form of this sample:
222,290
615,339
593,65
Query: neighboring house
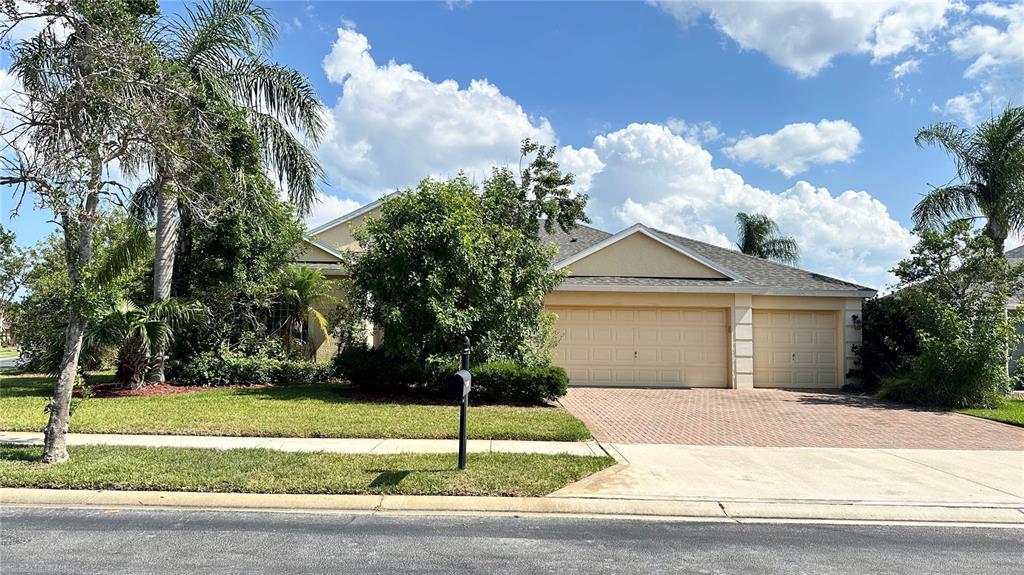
1016,256
646,308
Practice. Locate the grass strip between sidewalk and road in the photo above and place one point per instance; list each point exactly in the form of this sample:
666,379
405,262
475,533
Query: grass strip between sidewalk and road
319,410
269,471
1011,411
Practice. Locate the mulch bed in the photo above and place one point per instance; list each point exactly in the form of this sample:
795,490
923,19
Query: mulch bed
104,390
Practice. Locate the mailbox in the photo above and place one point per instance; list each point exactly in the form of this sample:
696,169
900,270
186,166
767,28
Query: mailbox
458,384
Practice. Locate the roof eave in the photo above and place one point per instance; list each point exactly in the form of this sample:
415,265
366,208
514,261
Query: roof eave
744,289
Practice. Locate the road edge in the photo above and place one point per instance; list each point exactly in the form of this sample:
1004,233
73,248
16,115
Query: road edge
753,511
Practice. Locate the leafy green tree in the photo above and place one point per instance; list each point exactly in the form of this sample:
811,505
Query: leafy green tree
39,319
13,266
231,265
448,259
89,78
956,288
760,237
990,172
300,288
138,333
222,47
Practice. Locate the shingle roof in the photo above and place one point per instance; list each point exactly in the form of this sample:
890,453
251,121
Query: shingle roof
1015,254
757,274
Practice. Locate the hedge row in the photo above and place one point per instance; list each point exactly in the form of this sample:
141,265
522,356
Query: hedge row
213,370
373,370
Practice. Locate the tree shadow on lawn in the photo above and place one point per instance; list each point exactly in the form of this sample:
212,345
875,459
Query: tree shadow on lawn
19,384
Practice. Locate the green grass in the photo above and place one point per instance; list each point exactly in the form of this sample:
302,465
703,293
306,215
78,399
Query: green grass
1011,411
322,410
8,352
268,471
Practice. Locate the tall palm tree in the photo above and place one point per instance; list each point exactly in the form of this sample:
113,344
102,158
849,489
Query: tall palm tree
222,47
139,333
990,172
759,236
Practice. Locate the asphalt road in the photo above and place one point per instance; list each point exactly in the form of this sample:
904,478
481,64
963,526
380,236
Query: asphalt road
36,540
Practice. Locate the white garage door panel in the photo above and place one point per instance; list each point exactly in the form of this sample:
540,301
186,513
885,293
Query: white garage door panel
795,349
643,346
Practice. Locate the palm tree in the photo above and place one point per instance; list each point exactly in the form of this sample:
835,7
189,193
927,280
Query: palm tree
221,46
759,237
990,173
140,333
299,289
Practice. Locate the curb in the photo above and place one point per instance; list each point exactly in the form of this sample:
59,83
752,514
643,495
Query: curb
731,511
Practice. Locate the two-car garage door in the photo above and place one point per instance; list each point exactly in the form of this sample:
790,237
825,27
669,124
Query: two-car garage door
689,347
644,347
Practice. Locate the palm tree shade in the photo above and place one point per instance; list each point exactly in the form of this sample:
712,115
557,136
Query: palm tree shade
989,175
759,236
299,289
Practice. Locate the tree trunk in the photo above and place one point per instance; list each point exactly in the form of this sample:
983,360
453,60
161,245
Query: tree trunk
78,253
163,264
54,447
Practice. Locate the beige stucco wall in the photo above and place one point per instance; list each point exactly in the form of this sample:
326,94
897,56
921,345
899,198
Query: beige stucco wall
341,237
638,255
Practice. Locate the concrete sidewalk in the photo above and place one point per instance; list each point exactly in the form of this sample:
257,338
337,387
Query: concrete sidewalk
329,445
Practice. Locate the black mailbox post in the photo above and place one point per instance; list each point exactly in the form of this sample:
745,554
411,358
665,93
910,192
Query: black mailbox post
458,387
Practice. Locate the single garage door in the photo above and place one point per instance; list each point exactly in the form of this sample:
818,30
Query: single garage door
626,346
795,349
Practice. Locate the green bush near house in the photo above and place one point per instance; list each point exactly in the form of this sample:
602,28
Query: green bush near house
493,382
210,369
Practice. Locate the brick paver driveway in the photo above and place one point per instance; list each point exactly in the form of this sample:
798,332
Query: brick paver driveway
776,418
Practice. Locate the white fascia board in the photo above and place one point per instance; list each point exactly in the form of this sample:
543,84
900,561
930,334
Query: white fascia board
642,229
324,247
349,216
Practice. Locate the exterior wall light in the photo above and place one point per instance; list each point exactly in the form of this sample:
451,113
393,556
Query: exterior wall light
858,323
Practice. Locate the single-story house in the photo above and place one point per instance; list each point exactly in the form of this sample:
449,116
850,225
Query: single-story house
645,308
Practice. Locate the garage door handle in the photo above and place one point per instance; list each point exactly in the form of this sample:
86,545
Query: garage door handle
794,357
634,354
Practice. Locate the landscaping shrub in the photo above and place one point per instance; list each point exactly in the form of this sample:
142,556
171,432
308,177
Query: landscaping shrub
213,370
890,341
372,369
510,383
496,382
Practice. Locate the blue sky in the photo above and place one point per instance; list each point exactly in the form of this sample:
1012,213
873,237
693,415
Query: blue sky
677,115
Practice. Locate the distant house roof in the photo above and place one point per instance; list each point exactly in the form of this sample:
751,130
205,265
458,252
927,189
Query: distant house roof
747,274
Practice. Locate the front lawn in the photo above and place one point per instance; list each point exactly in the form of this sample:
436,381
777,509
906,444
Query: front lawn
268,471
8,352
322,410
1011,411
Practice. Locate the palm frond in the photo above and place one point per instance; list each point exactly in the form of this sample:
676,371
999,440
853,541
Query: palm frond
135,247
782,250
952,138
280,92
297,169
945,203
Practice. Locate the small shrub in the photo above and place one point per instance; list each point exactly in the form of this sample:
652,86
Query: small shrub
212,370
291,372
510,383
372,369
496,382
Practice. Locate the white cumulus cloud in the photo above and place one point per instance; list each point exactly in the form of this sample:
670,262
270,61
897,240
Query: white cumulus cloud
393,126
805,36
650,175
795,147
